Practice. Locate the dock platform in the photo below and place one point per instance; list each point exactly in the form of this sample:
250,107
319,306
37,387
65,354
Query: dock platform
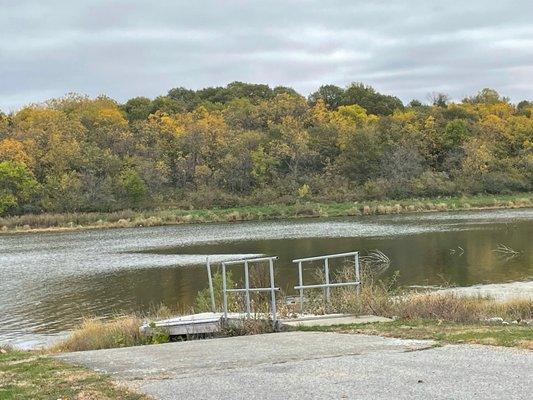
209,322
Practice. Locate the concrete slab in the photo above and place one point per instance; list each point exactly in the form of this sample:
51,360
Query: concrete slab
451,372
316,365
496,291
197,356
336,319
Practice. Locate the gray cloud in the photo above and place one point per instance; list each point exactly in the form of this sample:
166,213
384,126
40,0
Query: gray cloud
131,48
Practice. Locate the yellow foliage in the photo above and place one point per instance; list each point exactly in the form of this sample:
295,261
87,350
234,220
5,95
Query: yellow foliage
111,116
478,157
407,116
353,113
347,118
499,109
13,150
303,191
320,113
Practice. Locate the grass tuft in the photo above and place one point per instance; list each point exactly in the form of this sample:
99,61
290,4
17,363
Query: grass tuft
95,334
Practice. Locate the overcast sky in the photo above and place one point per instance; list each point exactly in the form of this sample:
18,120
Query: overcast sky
131,48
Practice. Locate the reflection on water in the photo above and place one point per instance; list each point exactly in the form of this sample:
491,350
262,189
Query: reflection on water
50,280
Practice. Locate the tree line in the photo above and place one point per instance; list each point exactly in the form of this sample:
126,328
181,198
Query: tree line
250,144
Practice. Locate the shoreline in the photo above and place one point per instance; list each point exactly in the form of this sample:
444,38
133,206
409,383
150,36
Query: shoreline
66,222
496,292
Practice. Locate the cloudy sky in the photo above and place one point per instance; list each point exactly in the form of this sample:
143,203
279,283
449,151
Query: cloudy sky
131,48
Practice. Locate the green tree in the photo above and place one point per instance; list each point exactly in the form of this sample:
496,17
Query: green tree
134,187
184,96
372,101
330,94
455,133
17,186
360,158
439,99
138,108
523,108
167,105
486,96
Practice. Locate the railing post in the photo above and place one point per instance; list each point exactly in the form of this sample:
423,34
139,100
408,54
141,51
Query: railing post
247,287
301,283
211,290
357,274
272,292
326,272
224,291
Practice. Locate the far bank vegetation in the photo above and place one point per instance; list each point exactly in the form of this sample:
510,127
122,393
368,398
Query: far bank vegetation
249,145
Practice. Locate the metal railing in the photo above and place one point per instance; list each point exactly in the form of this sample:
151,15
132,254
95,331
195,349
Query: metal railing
210,281
327,285
247,289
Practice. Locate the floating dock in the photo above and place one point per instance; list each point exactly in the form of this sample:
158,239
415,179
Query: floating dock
202,323
205,323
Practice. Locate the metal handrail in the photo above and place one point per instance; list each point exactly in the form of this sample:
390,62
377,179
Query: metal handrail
316,258
247,289
327,285
277,289
250,260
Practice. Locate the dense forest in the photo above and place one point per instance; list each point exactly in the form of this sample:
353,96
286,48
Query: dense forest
251,144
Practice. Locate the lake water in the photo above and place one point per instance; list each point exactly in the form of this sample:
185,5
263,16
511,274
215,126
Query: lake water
49,281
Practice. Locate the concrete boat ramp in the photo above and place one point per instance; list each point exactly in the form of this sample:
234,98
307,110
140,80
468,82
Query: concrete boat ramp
315,365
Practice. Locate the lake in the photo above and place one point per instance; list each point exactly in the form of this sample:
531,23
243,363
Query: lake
49,281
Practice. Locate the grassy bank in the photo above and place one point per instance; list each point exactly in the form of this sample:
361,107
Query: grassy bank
442,332
172,216
27,375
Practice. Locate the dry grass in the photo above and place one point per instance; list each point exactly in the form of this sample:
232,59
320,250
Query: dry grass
377,296
452,308
5,348
443,317
382,297
251,326
95,334
119,331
